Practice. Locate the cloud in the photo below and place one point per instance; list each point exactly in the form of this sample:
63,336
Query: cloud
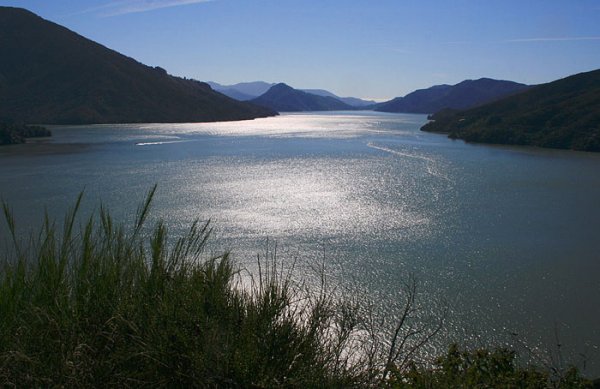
123,7
556,39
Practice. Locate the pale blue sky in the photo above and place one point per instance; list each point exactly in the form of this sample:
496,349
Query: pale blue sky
365,48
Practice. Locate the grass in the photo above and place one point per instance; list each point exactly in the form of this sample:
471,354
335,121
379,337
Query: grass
94,304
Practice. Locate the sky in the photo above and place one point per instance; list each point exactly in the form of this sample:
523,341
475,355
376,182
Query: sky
376,49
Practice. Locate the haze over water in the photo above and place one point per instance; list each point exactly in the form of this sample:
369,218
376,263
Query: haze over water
508,236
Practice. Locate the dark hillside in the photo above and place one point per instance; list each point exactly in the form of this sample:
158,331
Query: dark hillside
49,74
562,114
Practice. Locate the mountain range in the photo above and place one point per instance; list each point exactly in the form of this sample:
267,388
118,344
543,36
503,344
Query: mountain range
245,91
49,74
561,114
466,94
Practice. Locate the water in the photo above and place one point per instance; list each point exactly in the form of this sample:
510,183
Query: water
508,237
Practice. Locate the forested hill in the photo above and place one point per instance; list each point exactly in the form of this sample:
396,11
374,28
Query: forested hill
562,114
49,74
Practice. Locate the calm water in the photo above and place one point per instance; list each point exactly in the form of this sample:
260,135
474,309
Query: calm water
508,237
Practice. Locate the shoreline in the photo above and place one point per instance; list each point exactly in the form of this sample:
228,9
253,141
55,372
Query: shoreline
34,147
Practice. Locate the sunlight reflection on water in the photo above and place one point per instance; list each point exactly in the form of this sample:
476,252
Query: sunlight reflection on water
506,235
296,125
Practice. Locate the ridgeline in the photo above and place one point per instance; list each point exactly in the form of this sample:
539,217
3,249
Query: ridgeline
51,75
464,95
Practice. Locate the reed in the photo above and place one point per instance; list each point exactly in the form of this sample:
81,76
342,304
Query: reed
95,304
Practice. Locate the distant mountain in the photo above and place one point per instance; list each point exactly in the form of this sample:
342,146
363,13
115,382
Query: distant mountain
563,114
235,94
358,103
284,98
242,91
49,74
353,101
466,94
320,92
245,91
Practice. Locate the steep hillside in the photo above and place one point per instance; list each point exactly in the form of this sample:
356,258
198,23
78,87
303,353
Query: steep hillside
49,74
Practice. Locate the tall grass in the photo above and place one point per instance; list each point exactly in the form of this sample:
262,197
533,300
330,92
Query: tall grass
95,304
99,305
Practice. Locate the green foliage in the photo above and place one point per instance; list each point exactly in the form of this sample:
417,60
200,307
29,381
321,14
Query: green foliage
14,133
483,369
103,306
95,304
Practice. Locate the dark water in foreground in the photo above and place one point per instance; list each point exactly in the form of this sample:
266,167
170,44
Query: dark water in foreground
509,237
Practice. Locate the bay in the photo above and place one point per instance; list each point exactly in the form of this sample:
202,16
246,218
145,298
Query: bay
507,237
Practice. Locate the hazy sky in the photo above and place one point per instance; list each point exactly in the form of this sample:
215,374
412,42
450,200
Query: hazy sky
365,48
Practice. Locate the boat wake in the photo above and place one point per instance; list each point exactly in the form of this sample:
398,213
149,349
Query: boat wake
158,143
431,163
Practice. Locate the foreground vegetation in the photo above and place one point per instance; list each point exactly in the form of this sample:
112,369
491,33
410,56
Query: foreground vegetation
102,305
17,133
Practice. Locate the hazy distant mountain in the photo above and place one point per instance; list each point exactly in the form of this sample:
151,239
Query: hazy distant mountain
49,74
561,114
358,103
234,94
242,91
466,94
353,101
284,98
245,91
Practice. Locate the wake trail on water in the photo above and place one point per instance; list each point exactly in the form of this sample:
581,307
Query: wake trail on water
159,143
430,163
